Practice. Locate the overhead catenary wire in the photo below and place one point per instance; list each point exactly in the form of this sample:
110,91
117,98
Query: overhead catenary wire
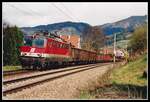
28,11
35,12
62,11
70,12
31,12
6,19
23,11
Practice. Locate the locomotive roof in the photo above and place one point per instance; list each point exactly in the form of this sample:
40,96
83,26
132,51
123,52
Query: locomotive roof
54,37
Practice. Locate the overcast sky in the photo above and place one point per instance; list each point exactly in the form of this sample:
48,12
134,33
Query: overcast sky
32,14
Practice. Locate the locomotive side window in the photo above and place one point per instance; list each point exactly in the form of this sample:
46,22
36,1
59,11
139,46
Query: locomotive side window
54,44
61,45
50,44
65,46
58,45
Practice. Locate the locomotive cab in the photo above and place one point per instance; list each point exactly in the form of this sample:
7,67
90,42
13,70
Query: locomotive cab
33,46
35,42
33,51
43,51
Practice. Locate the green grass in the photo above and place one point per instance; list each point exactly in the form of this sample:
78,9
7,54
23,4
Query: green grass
85,95
9,68
131,73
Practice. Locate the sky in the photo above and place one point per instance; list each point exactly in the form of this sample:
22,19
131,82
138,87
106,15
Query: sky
31,14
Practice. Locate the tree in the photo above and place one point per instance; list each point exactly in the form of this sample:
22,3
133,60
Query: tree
93,39
19,41
138,41
12,39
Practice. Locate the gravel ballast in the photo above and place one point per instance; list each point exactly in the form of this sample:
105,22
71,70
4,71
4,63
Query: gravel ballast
67,87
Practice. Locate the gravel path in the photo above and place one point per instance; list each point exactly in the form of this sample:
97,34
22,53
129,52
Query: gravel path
63,88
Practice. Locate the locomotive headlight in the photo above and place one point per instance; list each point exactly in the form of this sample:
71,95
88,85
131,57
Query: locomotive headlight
23,54
40,55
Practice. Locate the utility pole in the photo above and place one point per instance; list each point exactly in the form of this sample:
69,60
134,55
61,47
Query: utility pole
126,46
126,43
126,51
114,46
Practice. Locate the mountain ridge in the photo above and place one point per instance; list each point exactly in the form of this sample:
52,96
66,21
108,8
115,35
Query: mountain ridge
124,25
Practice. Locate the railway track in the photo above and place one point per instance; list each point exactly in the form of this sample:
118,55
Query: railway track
10,86
41,74
7,73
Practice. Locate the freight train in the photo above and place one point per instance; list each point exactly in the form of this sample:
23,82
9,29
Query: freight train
49,50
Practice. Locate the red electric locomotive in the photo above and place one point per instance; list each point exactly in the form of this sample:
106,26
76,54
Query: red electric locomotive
43,51
50,50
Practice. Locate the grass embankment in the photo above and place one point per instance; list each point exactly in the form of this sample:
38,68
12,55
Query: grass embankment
126,82
131,73
10,68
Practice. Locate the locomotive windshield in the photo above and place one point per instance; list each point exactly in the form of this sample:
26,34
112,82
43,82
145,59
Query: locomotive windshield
38,42
35,42
28,40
